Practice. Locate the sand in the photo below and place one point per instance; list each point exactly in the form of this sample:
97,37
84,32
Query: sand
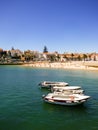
85,65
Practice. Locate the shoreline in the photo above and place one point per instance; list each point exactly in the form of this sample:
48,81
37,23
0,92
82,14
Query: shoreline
87,65
78,65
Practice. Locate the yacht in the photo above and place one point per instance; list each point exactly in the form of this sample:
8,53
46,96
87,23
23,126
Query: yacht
61,98
68,89
49,84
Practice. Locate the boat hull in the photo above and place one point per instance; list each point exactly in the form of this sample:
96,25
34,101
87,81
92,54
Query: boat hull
66,103
63,99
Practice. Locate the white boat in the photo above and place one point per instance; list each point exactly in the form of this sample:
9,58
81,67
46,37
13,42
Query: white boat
49,84
64,99
68,89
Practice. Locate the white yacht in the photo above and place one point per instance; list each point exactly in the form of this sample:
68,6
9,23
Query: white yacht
68,89
61,98
49,84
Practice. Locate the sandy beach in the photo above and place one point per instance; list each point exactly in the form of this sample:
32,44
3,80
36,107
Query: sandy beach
85,65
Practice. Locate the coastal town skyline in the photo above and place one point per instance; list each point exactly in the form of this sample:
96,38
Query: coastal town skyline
45,51
61,25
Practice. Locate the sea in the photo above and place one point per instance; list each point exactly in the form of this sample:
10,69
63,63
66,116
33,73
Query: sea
22,106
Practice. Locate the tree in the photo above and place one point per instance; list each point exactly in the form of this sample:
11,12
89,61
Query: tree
1,52
79,57
84,57
90,55
52,57
65,57
12,48
72,55
45,50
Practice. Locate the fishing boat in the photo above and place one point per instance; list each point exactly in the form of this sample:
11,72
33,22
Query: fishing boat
68,89
49,84
61,98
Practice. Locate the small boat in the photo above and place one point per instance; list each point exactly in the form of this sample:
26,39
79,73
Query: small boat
49,84
68,89
65,99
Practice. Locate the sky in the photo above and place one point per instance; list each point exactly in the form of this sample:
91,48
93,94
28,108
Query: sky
60,25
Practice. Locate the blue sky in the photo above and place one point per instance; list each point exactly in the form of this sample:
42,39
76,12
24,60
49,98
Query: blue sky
60,25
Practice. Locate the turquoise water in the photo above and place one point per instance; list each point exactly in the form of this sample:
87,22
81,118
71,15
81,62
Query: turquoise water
22,107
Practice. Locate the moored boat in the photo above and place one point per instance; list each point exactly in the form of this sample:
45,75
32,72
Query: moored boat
65,99
49,84
68,89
